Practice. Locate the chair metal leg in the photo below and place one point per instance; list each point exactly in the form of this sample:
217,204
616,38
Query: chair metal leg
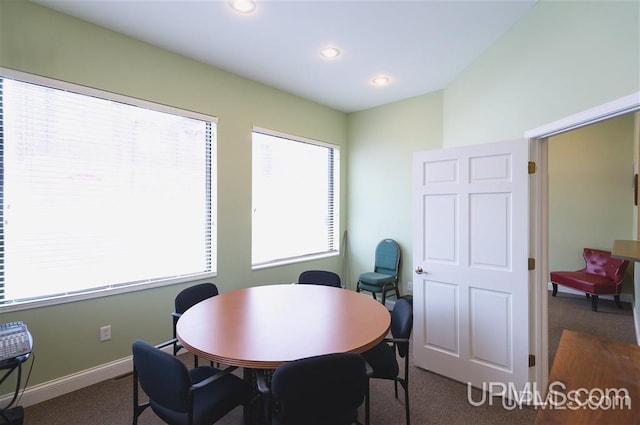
594,302
396,290
406,403
137,411
366,403
387,288
616,298
555,289
137,408
405,385
359,290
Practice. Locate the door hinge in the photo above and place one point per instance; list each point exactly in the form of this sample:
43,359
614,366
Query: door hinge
532,264
532,360
532,167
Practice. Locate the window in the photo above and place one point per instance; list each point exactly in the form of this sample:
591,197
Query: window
295,198
100,192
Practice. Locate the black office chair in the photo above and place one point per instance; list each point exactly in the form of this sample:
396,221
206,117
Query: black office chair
186,299
320,277
179,396
384,277
382,358
320,390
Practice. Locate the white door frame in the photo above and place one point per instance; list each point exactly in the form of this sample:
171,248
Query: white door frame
539,237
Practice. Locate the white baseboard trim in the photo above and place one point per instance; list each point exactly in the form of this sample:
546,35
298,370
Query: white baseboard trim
627,298
76,381
66,384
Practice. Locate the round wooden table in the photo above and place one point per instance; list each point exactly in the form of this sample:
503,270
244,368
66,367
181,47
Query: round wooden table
265,326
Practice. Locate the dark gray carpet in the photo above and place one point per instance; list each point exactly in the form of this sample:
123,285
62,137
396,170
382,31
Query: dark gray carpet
433,399
573,312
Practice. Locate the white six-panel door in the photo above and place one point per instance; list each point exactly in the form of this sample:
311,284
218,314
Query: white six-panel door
470,255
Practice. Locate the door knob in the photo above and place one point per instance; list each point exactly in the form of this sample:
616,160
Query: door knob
419,270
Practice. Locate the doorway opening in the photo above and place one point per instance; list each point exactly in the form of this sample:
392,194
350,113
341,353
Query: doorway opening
539,148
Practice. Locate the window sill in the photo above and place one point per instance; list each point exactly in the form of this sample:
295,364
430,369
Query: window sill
100,293
294,260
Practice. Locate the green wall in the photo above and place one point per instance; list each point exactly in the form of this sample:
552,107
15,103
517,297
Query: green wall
37,40
562,58
381,143
590,191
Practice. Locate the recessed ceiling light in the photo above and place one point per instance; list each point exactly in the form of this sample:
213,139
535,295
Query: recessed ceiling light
381,80
243,6
330,52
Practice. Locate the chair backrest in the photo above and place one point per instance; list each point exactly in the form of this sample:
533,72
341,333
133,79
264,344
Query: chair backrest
402,324
163,377
192,295
319,277
601,263
326,389
387,257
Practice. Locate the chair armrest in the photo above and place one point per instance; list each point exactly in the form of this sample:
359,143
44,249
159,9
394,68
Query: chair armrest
400,345
396,340
174,319
167,343
213,378
203,384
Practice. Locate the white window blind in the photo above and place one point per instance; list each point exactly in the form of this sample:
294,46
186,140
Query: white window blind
295,198
99,193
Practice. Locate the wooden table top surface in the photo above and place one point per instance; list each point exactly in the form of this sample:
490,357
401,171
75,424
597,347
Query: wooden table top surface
589,377
265,326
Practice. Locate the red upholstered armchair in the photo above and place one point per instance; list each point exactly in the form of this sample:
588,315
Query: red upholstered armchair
602,275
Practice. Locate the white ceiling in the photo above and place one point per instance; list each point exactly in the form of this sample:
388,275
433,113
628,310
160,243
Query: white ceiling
421,44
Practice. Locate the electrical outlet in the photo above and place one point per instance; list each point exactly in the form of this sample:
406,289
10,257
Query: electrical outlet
409,286
105,333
